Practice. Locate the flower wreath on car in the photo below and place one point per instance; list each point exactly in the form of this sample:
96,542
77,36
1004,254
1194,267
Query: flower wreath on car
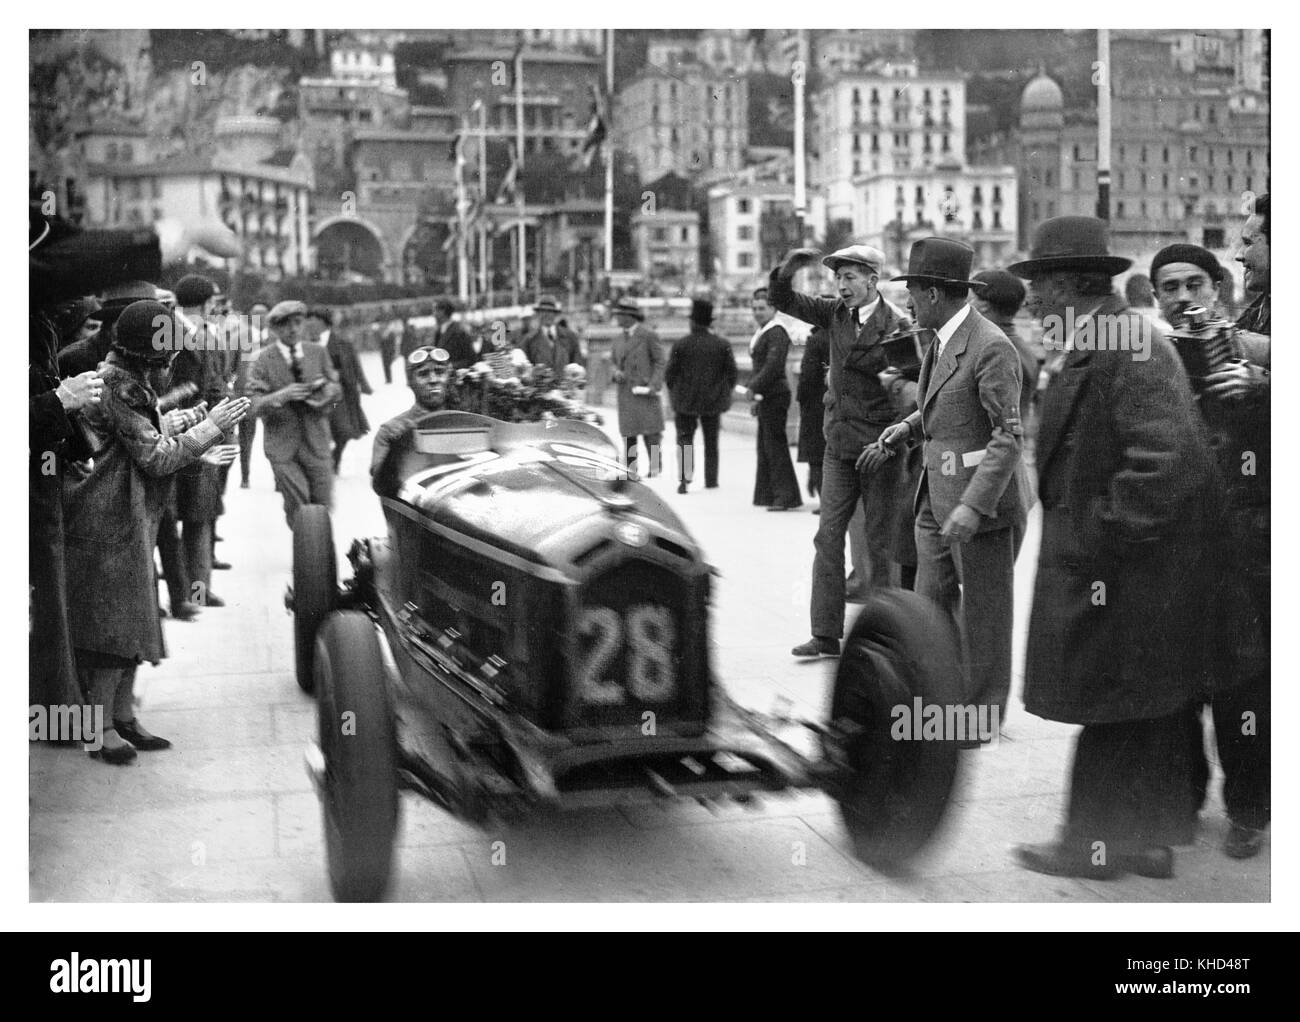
531,393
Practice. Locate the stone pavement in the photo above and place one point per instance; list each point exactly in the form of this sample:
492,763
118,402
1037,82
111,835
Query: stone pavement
228,815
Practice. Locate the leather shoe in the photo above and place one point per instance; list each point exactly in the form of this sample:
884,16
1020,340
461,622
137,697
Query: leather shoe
710,486
817,647
185,611
1060,860
117,755
1156,862
1243,842
244,485
139,737
212,600
681,487
220,565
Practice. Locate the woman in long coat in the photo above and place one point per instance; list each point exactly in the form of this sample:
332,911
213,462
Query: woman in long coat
111,523
639,363
812,409
347,418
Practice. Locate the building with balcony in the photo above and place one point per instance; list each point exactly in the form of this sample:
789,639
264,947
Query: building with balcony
257,190
883,123
687,119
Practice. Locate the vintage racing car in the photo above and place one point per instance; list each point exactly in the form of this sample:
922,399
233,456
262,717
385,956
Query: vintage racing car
533,634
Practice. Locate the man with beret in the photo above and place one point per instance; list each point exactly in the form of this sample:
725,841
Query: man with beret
857,409
970,506
1132,506
1235,406
293,386
638,370
113,512
700,377
551,344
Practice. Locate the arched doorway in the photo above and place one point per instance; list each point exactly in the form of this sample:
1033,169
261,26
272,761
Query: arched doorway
349,249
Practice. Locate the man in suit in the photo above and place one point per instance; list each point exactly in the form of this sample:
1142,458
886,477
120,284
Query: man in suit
551,344
293,387
969,506
857,409
775,485
638,371
347,418
453,337
700,377
1120,631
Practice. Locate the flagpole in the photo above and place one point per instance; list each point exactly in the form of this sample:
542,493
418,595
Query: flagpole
800,185
609,154
485,285
1103,124
462,256
519,184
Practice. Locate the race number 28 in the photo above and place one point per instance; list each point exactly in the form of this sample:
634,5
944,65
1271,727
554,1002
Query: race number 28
647,636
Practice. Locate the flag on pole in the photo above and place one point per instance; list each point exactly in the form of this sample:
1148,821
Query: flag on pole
506,193
596,128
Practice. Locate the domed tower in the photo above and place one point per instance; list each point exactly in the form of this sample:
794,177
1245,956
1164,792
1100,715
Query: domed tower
1042,122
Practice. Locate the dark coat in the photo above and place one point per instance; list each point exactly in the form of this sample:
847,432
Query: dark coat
1029,363
210,368
1132,502
768,358
297,425
565,350
347,418
111,517
83,356
639,356
811,395
857,407
455,338
701,374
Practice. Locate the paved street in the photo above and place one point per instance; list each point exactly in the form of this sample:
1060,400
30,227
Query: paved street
228,814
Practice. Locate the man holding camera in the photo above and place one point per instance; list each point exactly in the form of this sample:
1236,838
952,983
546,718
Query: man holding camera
293,387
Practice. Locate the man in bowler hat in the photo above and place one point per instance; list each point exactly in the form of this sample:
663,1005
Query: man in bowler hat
700,377
969,506
639,364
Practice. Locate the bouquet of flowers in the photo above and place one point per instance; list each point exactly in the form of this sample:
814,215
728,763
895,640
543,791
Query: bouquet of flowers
532,396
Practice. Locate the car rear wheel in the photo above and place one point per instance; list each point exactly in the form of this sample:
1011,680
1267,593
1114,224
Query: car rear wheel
893,793
359,798
315,584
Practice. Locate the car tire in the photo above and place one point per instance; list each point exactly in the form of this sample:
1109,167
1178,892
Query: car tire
315,584
359,796
893,794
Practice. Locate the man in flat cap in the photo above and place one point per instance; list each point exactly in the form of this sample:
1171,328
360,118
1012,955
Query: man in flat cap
293,387
857,409
970,504
1119,634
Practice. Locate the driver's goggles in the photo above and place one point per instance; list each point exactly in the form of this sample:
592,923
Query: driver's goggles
439,357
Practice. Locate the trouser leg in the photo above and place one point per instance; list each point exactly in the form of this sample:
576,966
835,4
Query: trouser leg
710,424
247,434
839,498
685,427
291,481
196,539
936,572
319,473
879,515
173,561
986,567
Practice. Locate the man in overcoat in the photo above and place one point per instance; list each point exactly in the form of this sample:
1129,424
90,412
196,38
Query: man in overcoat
969,506
700,376
552,344
347,418
1132,512
857,409
293,386
112,514
639,365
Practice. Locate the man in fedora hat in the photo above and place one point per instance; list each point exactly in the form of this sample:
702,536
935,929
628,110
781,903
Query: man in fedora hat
1132,509
700,376
552,344
639,364
857,409
293,387
969,508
